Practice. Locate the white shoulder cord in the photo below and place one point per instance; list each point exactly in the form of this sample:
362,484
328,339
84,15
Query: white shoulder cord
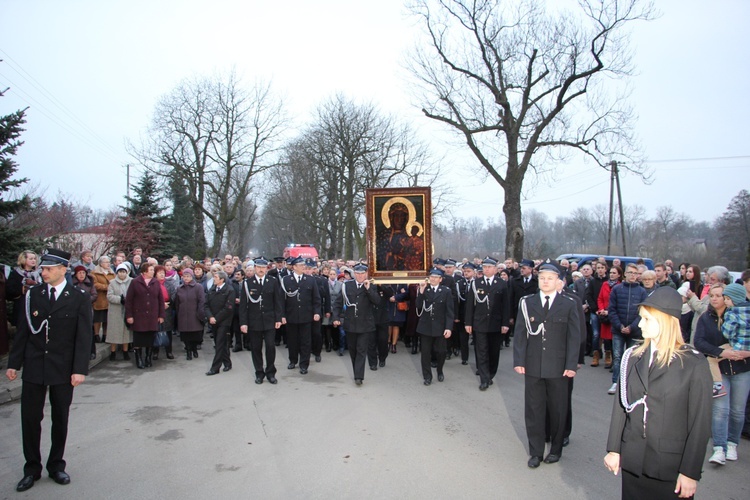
247,292
462,298
288,294
624,390
45,323
424,309
541,329
476,295
347,303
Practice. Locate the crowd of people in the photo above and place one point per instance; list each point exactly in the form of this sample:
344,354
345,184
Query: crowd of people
463,306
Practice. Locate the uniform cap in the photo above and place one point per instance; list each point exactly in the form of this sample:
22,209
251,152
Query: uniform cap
55,257
666,300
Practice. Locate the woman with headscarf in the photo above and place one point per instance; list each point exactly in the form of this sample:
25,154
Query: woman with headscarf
189,309
168,289
117,332
144,312
102,275
661,419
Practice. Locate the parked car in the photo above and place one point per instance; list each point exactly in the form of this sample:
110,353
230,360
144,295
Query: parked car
582,258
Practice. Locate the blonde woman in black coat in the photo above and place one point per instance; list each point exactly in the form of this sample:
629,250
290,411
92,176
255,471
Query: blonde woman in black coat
661,420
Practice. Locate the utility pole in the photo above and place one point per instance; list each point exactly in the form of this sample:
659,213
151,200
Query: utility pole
611,207
619,202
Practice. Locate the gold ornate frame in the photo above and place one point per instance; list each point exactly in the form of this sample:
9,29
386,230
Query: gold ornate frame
399,254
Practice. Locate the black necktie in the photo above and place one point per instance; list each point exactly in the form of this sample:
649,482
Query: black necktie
546,303
52,292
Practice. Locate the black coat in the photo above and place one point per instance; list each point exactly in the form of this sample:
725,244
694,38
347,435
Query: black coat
359,314
679,417
556,349
488,316
299,301
189,305
520,289
65,349
435,310
381,309
260,308
220,305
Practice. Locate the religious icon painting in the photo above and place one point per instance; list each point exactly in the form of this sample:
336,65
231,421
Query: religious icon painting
399,233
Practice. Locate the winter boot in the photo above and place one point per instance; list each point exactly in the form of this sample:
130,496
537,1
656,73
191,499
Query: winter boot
597,357
125,356
139,359
608,359
147,359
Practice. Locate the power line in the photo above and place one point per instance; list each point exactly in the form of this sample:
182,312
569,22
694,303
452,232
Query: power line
714,158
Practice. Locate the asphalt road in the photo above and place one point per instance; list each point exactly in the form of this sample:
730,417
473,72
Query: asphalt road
171,432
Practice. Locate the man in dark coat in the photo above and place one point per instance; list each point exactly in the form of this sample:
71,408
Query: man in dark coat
488,319
220,312
300,305
463,292
260,316
546,349
325,307
355,309
521,286
377,346
52,346
435,310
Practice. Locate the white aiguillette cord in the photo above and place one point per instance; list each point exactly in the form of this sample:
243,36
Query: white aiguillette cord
45,323
254,301
624,390
525,312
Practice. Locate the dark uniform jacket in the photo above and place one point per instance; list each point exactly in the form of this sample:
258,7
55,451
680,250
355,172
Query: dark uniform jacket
359,314
678,423
51,356
463,291
554,350
260,308
490,315
520,289
435,310
381,309
220,304
325,295
299,301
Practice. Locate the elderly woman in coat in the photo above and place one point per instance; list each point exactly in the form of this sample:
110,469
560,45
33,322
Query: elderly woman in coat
102,275
189,308
118,333
144,312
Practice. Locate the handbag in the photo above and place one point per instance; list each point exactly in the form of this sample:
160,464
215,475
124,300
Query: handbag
161,339
402,306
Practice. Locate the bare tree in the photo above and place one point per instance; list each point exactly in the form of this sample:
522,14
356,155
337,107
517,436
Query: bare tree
524,85
216,136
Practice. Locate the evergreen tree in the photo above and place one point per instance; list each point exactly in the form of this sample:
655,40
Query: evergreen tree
179,225
13,240
142,224
734,232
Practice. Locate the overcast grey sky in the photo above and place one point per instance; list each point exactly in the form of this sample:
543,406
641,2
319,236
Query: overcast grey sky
91,72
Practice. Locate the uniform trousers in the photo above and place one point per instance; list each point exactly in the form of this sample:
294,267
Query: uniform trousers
487,345
542,396
316,338
299,341
430,344
377,346
568,427
463,340
32,413
221,345
257,339
357,342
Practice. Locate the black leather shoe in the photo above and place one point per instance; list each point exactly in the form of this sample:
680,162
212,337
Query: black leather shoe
170,355
272,379
464,363
358,381
433,364
373,367
552,458
211,372
533,462
427,381
227,368
491,382
291,366
237,348
259,380
483,386
60,477
381,364
303,371
441,377
476,372
447,356
566,442
26,483
317,359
